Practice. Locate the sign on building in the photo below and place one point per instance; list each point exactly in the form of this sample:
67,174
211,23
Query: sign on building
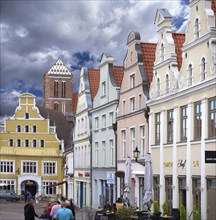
110,178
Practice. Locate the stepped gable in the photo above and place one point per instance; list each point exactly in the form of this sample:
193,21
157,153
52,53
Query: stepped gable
148,50
59,69
63,128
213,6
74,101
179,40
94,79
118,74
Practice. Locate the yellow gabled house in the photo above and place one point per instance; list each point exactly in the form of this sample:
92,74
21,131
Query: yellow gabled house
31,152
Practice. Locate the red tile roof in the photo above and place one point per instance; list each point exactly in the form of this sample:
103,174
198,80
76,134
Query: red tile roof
179,39
74,101
213,6
148,50
118,74
94,78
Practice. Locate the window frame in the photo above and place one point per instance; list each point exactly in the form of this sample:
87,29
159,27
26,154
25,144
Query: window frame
132,81
47,165
157,127
170,123
197,115
212,131
183,122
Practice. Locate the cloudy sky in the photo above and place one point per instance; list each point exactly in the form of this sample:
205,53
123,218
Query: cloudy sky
35,33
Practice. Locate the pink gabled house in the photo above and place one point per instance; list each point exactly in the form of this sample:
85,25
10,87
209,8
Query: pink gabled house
132,113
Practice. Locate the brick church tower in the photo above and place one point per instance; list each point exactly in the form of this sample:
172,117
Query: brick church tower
57,88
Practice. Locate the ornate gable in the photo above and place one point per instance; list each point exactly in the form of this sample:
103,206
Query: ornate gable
59,69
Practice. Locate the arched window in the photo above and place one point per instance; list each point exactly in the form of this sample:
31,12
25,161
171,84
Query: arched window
63,89
162,52
196,29
202,69
11,142
26,142
55,88
158,87
56,106
166,84
18,142
190,75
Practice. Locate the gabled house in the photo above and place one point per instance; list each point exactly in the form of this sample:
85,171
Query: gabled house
103,136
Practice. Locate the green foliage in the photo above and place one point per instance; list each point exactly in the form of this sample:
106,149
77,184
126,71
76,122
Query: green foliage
124,213
196,213
155,207
182,212
165,208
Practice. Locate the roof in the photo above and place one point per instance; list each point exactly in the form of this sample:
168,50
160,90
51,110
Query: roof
74,101
94,78
213,6
179,40
63,127
118,74
148,50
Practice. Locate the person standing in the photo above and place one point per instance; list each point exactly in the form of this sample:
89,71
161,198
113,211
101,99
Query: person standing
64,213
55,208
70,205
29,211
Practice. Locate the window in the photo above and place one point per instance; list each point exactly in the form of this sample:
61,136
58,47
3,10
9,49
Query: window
41,143
10,142
157,128
49,190
34,128
6,166
111,118
162,52
197,120
63,89
56,106
49,168
104,152
26,115
18,128
124,107
26,128
132,104
97,123
29,167
26,143
184,117
96,153
10,183
55,88
132,139
196,29
34,143
212,117
142,140
202,69
123,143
140,101
103,121
190,72
166,84
18,142
103,89
158,87
170,126
111,152
132,81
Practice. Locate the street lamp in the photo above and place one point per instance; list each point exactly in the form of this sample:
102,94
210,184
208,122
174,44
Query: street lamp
66,169
136,154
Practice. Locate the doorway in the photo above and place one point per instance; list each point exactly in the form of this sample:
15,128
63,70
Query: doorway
29,186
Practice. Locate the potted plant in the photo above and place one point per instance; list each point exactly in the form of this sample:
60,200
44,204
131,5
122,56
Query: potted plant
182,212
156,211
124,213
196,213
165,208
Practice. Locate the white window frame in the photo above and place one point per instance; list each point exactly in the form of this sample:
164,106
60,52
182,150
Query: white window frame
111,147
10,142
123,143
49,165
42,140
34,129
30,164
7,167
96,153
34,140
103,121
96,123
17,142
50,189
132,139
104,152
27,141
132,104
19,128
142,140
103,88
111,118
203,69
132,81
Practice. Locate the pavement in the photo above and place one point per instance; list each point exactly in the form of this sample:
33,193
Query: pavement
15,210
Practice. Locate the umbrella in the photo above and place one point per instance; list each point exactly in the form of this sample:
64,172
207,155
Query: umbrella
147,200
126,195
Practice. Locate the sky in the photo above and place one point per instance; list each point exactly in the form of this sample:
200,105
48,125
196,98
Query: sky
35,33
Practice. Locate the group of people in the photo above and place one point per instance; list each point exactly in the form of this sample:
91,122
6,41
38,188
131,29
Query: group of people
64,210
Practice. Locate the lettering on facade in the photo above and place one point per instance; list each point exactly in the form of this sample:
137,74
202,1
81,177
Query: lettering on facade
168,164
195,163
181,163
80,174
87,174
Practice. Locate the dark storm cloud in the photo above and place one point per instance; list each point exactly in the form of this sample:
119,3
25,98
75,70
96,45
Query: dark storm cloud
34,34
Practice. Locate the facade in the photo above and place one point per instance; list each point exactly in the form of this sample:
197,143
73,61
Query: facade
103,136
182,112
132,113
89,81
31,153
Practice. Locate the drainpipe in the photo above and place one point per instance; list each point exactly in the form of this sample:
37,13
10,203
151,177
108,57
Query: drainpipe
115,132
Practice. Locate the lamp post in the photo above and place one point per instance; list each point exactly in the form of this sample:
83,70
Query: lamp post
136,154
66,183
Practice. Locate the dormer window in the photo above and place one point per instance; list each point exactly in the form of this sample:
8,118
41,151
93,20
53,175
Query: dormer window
158,87
190,73
103,89
26,115
202,69
162,52
196,29
166,84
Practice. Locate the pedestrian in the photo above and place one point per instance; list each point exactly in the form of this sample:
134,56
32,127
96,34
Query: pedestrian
29,211
64,213
25,195
70,205
37,198
55,208
29,196
45,215
49,207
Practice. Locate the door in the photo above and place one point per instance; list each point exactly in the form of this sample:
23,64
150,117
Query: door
211,199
